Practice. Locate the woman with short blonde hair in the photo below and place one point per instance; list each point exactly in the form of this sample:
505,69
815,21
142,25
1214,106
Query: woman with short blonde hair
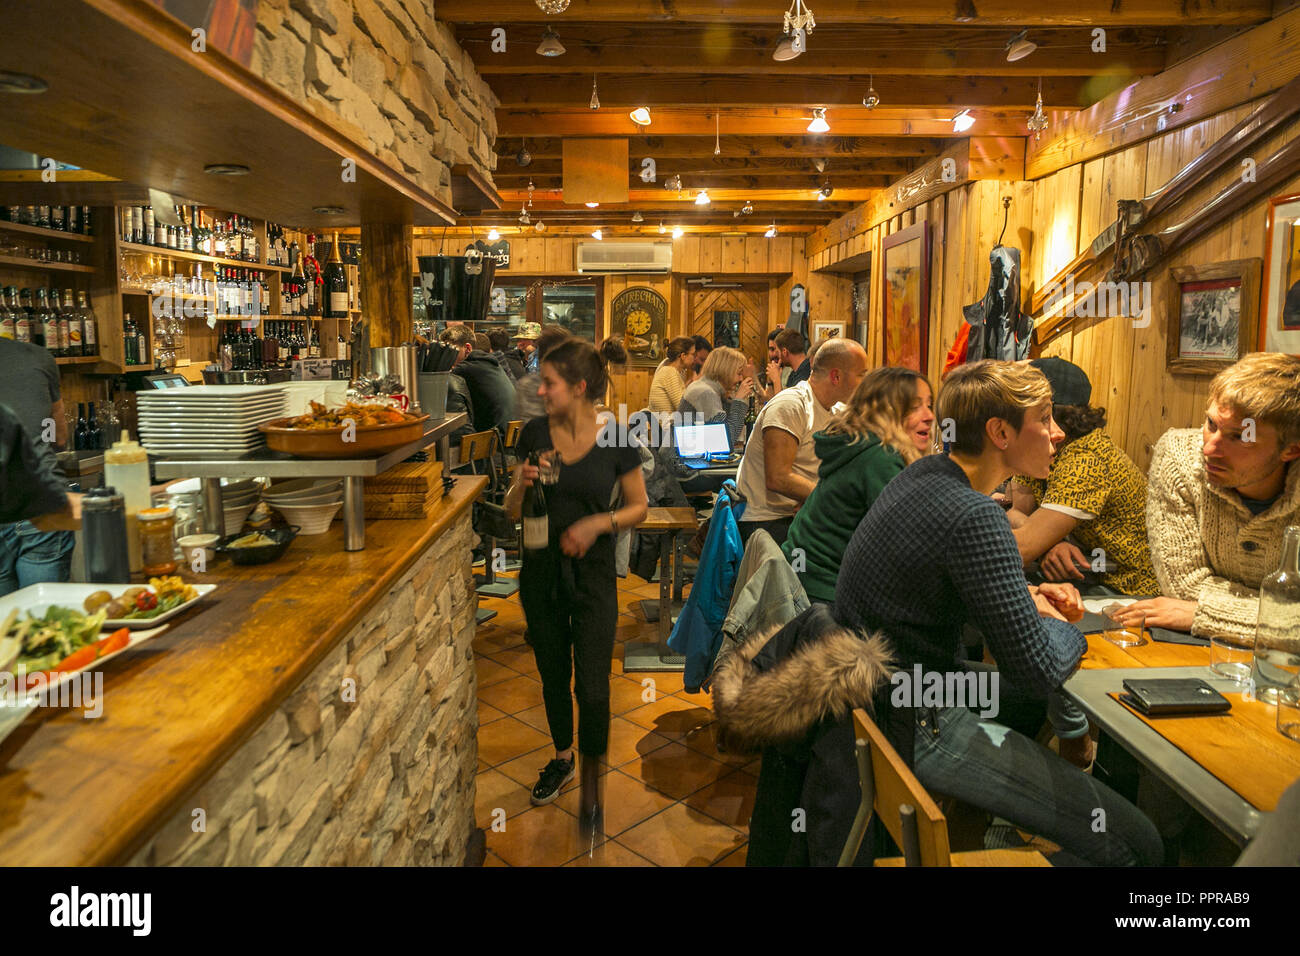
720,394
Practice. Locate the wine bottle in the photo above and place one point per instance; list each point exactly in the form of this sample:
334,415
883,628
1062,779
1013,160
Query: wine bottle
336,284
49,323
92,429
80,435
8,319
89,330
22,314
537,526
73,320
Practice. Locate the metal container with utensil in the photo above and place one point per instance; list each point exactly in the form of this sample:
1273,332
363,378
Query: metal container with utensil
433,394
399,361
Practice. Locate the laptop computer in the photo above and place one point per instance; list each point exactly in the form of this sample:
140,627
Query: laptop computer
702,446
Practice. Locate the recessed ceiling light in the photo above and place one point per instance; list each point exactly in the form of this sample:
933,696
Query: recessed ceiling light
963,121
328,210
640,116
539,226
592,205
226,169
819,124
598,235
1020,46
678,232
21,83
702,198
550,45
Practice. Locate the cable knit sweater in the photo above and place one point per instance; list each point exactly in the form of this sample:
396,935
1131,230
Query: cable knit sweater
1206,546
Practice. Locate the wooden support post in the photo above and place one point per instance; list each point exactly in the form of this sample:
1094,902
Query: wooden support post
386,296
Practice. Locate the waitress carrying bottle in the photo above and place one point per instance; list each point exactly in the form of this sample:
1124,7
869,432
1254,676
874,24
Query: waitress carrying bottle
568,588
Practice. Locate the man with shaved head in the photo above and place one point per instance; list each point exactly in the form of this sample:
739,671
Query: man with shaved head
779,469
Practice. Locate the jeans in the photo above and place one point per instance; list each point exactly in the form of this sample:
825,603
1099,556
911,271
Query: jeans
30,556
988,765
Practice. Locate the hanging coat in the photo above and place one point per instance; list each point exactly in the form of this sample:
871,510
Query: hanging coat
998,329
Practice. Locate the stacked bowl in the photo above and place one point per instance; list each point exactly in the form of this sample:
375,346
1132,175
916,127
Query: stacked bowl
238,499
310,503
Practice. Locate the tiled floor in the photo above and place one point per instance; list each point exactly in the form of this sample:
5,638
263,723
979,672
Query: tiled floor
670,798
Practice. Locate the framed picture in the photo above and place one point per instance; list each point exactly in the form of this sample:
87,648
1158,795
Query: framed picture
905,295
826,330
1279,313
1209,316
639,316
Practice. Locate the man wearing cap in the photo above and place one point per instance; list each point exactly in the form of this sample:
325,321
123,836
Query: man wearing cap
1094,493
526,344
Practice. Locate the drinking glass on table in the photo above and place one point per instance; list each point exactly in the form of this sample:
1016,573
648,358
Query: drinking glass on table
1230,657
548,464
1288,710
1132,634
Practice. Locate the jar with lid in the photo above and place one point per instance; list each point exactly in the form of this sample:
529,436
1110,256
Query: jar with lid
157,530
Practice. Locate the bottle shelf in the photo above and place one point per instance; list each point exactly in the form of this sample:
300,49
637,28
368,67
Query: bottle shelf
38,266
78,360
42,231
166,252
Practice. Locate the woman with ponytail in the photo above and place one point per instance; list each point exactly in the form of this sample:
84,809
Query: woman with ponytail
568,589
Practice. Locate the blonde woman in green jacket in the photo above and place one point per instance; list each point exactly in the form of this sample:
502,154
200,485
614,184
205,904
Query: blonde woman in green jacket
885,426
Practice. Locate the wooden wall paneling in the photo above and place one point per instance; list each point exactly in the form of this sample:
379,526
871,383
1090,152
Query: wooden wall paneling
940,306
757,249
733,254
710,253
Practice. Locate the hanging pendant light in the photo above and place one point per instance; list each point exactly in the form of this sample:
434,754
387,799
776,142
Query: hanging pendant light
493,235
524,219
550,45
552,7
819,124
798,23
595,97
637,217
673,183
771,232
717,134
598,235
531,187
662,228
523,157
871,100
1037,121
539,226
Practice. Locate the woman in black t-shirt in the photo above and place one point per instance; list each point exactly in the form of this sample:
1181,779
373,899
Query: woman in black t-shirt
568,589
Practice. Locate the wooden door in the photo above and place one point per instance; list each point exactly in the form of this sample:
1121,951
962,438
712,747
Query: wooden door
714,312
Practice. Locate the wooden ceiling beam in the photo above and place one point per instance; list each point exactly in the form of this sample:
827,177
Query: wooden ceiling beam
662,48
789,180
773,121
663,197
1016,13
625,92
671,148
724,166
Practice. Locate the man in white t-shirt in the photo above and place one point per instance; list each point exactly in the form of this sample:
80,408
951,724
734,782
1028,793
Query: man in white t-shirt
779,469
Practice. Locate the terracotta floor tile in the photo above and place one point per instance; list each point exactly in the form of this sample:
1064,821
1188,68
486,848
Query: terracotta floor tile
704,740
493,791
514,695
542,836
490,672
632,630
610,853
729,800
518,659
668,683
505,739
627,802
488,639
676,770
700,699
735,858
672,717
625,693
628,742
487,713
681,837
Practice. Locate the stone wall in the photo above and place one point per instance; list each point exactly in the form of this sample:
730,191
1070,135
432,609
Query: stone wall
387,778
388,75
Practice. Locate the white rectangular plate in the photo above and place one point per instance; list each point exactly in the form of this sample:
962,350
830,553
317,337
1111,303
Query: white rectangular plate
39,597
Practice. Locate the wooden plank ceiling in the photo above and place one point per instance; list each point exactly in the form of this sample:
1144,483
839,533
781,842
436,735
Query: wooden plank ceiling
705,70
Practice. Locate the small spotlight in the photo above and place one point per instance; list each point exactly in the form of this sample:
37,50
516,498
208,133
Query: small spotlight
819,124
825,192
702,198
493,235
592,205
637,217
963,121
640,116
1020,46
678,232
550,45
598,235
771,232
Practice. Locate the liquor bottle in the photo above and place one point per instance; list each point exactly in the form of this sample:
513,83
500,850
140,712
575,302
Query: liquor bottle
23,315
72,219
336,284
81,434
130,342
313,350
537,529
297,289
89,326
8,320
126,223
150,227
86,228
171,237
137,224
256,347
94,434
43,216
71,320
49,323
56,218
282,344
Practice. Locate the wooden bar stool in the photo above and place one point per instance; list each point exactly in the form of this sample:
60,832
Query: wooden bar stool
670,524
908,812
474,448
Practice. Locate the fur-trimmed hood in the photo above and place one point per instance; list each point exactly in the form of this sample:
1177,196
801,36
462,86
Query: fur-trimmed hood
826,676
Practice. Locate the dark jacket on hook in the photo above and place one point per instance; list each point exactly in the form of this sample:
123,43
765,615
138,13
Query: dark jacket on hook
791,694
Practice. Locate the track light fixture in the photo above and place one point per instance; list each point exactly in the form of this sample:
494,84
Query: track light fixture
640,116
1020,46
962,121
819,124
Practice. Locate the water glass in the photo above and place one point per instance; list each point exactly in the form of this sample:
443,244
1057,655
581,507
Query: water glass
548,464
1288,710
1132,634
1230,657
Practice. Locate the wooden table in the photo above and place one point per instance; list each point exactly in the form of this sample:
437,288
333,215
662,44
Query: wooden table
669,524
1187,756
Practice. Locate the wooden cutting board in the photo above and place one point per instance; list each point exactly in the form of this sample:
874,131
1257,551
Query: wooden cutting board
410,477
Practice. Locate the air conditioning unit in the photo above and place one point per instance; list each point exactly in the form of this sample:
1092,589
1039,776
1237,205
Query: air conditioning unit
625,257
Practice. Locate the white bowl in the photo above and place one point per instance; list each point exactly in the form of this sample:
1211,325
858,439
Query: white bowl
235,517
324,498
301,486
310,519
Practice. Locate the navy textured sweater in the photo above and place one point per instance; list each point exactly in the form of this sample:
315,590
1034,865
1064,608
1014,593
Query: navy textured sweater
931,555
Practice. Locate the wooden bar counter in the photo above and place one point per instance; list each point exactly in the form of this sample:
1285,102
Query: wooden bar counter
320,709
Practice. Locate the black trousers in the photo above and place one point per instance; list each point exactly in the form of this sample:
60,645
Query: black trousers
778,528
571,606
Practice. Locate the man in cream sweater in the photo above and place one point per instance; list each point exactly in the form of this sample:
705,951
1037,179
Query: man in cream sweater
1218,500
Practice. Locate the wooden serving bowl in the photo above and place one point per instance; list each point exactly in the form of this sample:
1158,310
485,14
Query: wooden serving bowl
371,441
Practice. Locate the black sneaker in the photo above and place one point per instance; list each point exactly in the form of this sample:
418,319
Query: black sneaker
553,776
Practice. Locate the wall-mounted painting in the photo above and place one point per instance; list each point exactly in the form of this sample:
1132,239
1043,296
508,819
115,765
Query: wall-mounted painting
640,316
1279,322
905,295
1209,315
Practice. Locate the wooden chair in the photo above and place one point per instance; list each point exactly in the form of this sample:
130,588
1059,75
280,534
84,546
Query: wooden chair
908,812
512,433
474,448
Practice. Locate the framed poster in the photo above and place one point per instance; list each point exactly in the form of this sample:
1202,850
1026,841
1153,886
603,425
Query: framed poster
1279,313
905,296
821,331
640,316
1207,305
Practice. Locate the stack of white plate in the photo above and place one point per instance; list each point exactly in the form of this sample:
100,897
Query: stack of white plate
309,503
207,421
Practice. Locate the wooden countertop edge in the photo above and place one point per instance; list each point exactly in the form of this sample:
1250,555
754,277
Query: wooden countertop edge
121,846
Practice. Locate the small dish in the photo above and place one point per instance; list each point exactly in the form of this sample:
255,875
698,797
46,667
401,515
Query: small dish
262,554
